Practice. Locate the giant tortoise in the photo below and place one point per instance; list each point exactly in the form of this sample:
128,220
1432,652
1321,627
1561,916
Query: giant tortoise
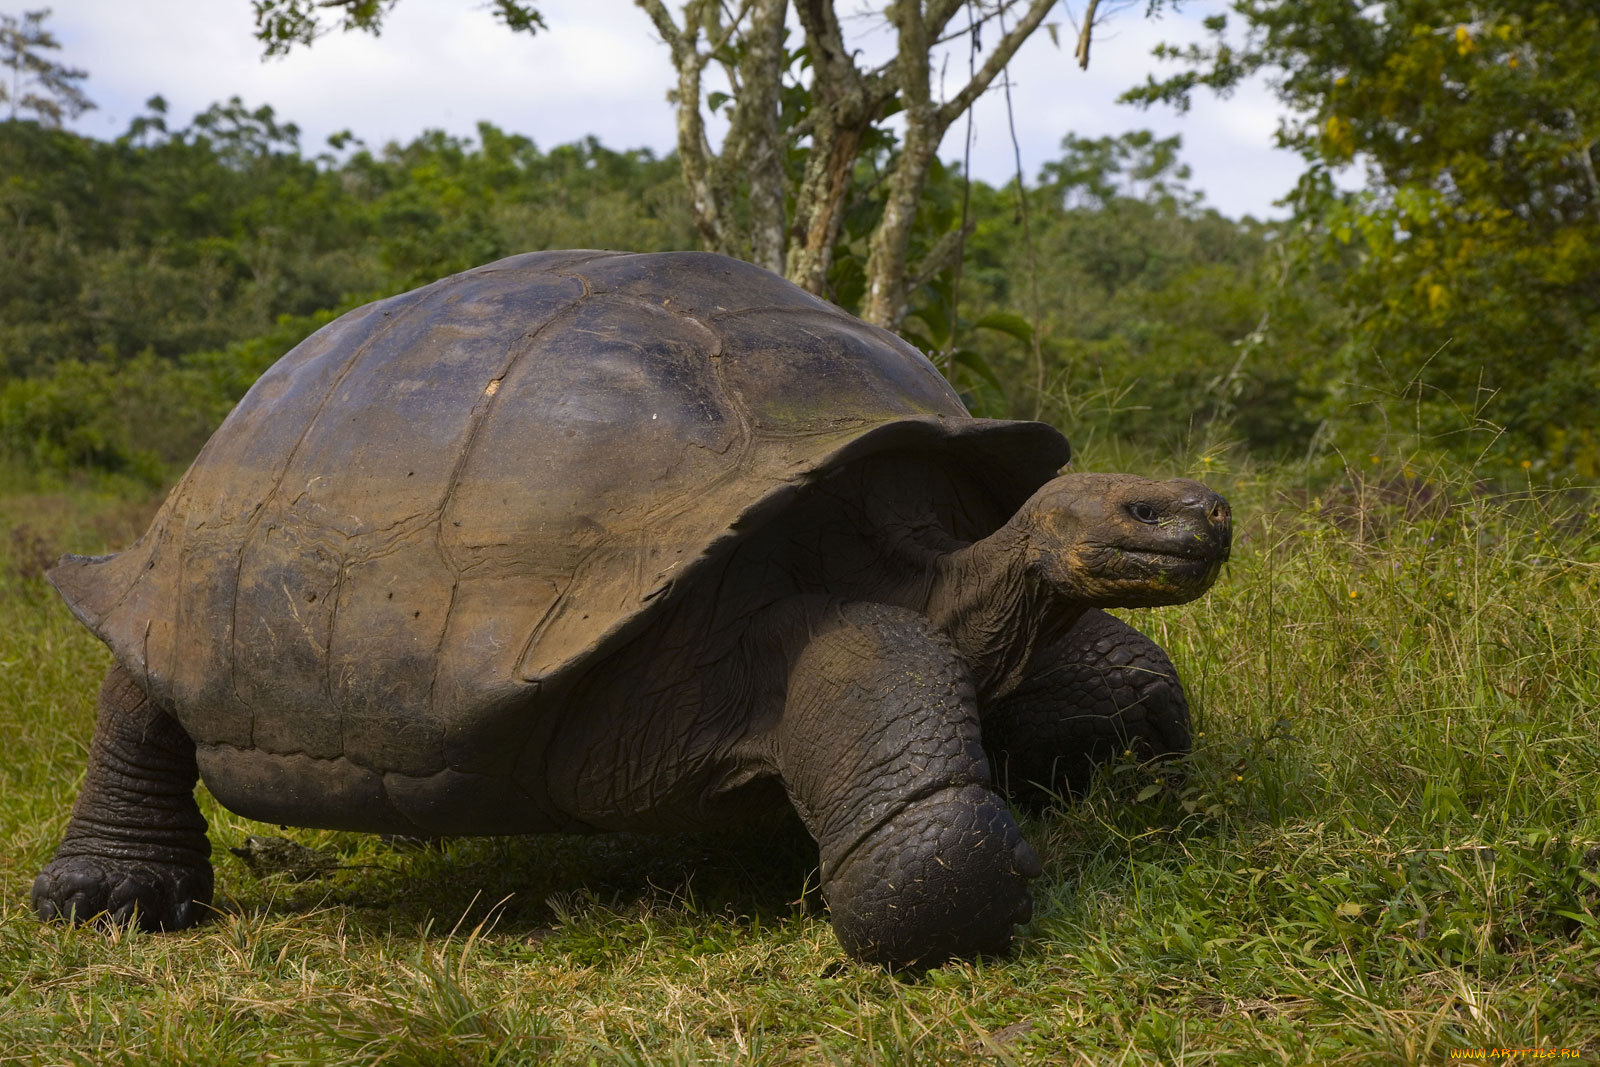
591,541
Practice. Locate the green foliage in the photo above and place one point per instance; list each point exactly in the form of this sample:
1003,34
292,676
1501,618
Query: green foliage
165,241
159,274
31,81
1153,305
151,279
1466,271
140,417
944,321
282,24
153,270
180,241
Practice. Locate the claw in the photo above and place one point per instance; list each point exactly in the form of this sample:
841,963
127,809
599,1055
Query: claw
81,889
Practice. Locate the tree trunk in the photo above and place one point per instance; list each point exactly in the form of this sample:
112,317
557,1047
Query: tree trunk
846,104
819,206
887,269
762,152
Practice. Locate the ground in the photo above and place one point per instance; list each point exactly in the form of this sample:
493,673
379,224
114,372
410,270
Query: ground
1385,848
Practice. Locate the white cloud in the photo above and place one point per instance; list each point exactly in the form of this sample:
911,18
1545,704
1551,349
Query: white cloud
600,70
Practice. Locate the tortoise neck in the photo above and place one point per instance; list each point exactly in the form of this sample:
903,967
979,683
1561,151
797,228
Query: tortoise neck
998,612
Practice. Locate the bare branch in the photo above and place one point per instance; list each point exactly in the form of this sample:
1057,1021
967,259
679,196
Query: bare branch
829,56
760,154
841,113
992,66
978,23
750,152
886,252
1083,36
663,20
940,256
715,45
912,63
721,40
939,13
694,150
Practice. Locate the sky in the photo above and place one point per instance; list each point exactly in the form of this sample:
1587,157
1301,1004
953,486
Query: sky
600,69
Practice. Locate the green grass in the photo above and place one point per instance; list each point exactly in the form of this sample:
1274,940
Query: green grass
1386,846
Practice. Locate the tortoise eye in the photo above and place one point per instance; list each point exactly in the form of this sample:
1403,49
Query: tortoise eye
1144,513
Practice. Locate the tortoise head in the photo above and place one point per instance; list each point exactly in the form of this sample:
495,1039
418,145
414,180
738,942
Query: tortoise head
1116,540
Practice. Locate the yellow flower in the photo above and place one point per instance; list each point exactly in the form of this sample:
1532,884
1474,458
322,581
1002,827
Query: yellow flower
1353,594
1527,463
1463,40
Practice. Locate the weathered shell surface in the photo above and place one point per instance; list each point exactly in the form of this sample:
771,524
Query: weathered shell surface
444,500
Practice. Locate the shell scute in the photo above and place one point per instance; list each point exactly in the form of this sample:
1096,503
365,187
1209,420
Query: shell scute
806,370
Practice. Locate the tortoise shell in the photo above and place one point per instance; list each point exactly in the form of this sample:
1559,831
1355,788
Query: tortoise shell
432,510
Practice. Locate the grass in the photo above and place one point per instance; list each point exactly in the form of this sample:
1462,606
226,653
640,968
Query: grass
1386,846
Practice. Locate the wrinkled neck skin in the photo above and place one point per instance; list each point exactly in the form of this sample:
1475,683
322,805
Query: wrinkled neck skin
998,613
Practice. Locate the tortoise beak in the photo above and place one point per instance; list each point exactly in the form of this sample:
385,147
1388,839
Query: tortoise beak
1210,517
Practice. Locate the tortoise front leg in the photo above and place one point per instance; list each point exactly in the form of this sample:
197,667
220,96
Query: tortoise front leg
1101,690
880,751
135,848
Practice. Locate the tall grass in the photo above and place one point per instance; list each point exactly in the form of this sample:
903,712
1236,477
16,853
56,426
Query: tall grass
1385,846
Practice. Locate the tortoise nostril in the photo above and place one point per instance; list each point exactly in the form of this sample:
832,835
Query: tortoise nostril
1220,512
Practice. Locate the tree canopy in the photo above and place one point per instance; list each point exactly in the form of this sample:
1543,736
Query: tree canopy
33,82
815,132
159,273
151,278
1450,305
1469,265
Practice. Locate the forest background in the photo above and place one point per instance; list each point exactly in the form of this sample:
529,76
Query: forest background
1449,308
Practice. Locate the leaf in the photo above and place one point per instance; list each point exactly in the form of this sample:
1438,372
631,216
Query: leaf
715,100
1147,792
979,366
1009,323
1348,910
518,17
934,316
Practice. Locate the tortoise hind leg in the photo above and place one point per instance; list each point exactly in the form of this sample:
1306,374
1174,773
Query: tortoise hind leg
1103,689
135,849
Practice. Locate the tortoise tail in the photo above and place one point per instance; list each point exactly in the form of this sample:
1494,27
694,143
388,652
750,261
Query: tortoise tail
82,583
115,597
